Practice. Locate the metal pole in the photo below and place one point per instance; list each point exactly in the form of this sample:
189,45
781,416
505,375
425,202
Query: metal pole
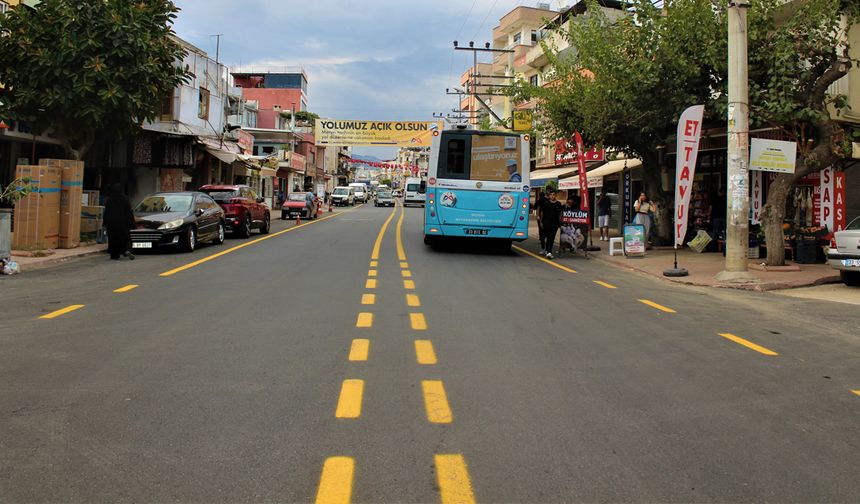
737,197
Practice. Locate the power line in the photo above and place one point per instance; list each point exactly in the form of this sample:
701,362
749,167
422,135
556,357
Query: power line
465,20
478,31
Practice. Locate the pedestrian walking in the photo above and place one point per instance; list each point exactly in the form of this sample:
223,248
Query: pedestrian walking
118,219
604,212
310,203
643,208
550,214
541,235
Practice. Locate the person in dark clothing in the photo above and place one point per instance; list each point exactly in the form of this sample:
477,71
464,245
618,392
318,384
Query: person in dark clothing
549,215
541,234
118,219
604,212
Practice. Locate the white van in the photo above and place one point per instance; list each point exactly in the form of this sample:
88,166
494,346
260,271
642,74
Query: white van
416,191
360,191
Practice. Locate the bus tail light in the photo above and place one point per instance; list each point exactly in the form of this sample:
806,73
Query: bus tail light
520,233
434,230
432,214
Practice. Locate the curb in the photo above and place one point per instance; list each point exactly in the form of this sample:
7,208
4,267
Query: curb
49,262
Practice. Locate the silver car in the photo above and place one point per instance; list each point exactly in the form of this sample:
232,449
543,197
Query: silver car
844,253
384,198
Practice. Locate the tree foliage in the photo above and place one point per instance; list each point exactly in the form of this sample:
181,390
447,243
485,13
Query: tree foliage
80,69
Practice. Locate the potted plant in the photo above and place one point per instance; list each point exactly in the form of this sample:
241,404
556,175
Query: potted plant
13,192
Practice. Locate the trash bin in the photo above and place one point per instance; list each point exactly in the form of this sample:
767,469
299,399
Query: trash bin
806,250
5,233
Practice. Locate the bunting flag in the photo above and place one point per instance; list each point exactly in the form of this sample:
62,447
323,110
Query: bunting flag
395,166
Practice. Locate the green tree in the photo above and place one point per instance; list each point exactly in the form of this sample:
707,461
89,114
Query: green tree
81,69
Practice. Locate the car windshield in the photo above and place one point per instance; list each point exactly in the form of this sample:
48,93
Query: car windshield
384,194
297,197
222,195
341,191
854,225
412,187
162,203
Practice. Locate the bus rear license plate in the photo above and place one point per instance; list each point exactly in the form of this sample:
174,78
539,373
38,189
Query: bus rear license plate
481,232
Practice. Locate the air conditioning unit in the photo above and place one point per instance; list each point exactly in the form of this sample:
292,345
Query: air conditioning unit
855,150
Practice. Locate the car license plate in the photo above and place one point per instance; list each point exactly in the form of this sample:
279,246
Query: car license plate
851,262
147,245
480,232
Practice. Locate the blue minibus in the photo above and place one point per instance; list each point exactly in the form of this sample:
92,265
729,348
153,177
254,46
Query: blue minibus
477,186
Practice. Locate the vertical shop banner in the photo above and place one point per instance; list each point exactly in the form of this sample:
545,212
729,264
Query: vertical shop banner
839,218
825,205
689,132
583,176
628,197
756,198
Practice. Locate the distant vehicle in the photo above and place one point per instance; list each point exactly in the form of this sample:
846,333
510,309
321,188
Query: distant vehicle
398,193
384,198
343,196
296,204
479,186
244,210
844,253
416,190
180,218
360,191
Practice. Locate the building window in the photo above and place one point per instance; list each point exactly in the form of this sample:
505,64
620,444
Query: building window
533,80
165,111
3,7
535,37
518,37
203,104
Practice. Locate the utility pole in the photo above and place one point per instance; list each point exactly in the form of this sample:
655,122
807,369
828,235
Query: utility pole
473,88
737,196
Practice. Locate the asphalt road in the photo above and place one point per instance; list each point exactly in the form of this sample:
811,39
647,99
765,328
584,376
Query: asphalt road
314,365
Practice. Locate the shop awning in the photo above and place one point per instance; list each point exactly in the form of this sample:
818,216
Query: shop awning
227,157
614,167
539,178
223,150
268,173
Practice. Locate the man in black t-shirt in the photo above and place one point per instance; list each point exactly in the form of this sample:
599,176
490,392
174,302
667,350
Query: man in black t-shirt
548,217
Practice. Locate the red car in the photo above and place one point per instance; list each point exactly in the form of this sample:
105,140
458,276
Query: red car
243,209
296,204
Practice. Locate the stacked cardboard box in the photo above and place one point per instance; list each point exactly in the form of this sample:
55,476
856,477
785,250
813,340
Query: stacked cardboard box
90,198
37,216
91,220
72,186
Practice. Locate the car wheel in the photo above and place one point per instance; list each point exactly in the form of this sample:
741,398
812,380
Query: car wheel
189,240
219,237
245,230
267,225
851,278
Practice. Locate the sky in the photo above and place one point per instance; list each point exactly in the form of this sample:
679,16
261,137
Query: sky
365,59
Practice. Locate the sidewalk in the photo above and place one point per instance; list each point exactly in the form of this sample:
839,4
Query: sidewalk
704,267
27,262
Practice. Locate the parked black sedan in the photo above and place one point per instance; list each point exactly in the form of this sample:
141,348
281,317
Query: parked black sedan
177,218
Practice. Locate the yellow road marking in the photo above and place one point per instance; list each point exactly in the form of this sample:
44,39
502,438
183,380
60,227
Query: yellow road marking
660,307
856,392
436,402
748,344
401,253
543,259
424,353
336,481
127,288
55,314
406,273
359,350
409,284
374,264
370,283
368,299
349,403
371,273
413,300
365,319
404,265
378,244
417,321
248,244
452,475
604,284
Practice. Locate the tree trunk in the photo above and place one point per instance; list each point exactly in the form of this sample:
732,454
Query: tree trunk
772,217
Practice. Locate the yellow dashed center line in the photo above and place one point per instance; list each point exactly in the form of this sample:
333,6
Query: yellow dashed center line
436,402
349,403
413,300
409,284
604,284
127,288
63,311
406,273
417,321
365,319
336,481
371,273
404,265
370,283
749,344
378,244
856,392
660,307
368,299
359,350
452,475
374,264
424,353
